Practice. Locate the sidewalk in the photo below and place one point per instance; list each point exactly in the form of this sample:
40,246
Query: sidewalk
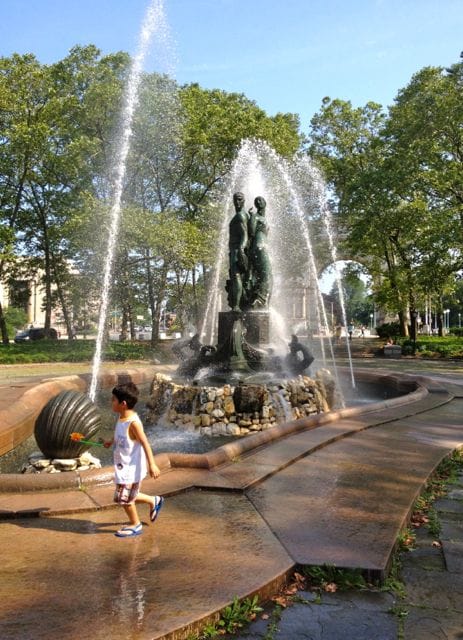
338,494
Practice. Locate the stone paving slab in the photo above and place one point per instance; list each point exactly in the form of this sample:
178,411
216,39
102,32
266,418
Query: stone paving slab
432,624
345,504
67,576
344,616
12,504
453,554
441,589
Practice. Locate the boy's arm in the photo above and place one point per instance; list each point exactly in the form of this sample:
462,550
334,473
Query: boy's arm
137,432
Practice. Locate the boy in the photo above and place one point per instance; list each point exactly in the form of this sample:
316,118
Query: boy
132,456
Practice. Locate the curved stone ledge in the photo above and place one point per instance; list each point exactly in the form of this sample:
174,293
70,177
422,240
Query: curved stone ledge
17,422
419,389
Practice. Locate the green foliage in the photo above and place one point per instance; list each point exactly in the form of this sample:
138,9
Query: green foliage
75,351
344,579
388,330
434,346
15,319
232,618
397,181
406,539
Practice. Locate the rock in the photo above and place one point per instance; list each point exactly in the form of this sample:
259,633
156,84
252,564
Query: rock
42,463
35,455
244,423
218,413
219,392
255,427
28,468
87,459
227,390
197,421
255,421
64,464
210,407
52,469
172,415
265,411
156,361
84,467
249,397
233,429
244,431
205,431
229,406
205,420
219,429
211,395
232,419
189,426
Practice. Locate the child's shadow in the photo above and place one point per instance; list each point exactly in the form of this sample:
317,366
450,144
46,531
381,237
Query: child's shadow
39,520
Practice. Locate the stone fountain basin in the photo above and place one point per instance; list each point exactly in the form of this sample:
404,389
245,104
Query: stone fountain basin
18,423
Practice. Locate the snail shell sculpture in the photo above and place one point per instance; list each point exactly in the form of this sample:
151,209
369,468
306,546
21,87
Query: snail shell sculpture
68,412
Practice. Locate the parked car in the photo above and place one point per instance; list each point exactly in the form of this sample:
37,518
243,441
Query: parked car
36,333
22,336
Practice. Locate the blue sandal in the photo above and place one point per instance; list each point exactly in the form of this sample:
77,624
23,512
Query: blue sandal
154,511
130,532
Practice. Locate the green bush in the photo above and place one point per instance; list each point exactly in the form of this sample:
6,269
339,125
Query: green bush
75,351
388,330
15,319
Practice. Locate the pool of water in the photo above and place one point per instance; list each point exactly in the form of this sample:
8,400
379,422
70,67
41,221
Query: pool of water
164,438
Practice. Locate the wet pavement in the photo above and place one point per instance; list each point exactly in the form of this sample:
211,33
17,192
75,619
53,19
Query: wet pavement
337,494
431,607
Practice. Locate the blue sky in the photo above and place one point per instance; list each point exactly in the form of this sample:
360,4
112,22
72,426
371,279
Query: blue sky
284,54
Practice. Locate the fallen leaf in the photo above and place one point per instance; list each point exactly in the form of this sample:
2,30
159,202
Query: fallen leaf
331,587
265,616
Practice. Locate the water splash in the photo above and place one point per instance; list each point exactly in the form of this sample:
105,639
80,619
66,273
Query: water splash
328,223
154,22
292,190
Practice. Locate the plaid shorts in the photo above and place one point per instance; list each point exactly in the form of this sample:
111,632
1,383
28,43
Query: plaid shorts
126,493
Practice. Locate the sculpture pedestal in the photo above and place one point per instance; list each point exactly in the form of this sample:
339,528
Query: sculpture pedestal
257,324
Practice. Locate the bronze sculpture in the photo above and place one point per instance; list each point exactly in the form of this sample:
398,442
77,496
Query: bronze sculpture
238,259
259,279
249,282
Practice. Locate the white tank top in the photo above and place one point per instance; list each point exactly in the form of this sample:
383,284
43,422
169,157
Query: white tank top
129,456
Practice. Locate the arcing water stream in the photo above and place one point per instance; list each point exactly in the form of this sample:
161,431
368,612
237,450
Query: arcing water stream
154,21
295,194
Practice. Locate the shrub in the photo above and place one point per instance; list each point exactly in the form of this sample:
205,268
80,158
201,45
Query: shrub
388,330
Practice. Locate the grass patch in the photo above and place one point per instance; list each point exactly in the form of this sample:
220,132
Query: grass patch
436,487
76,351
232,618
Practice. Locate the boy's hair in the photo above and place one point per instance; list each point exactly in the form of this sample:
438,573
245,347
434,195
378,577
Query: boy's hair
128,392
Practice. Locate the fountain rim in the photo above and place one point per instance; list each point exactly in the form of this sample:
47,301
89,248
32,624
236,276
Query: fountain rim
415,389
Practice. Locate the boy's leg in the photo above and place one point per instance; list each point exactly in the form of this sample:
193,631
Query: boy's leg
155,504
132,514
143,497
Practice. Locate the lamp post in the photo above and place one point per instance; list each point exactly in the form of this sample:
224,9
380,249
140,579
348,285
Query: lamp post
447,320
459,320
371,323
413,316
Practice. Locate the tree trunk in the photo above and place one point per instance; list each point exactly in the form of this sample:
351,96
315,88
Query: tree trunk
62,299
48,305
3,328
124,324
403,323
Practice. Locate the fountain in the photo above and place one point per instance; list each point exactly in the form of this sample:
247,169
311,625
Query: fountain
245,382
268,253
